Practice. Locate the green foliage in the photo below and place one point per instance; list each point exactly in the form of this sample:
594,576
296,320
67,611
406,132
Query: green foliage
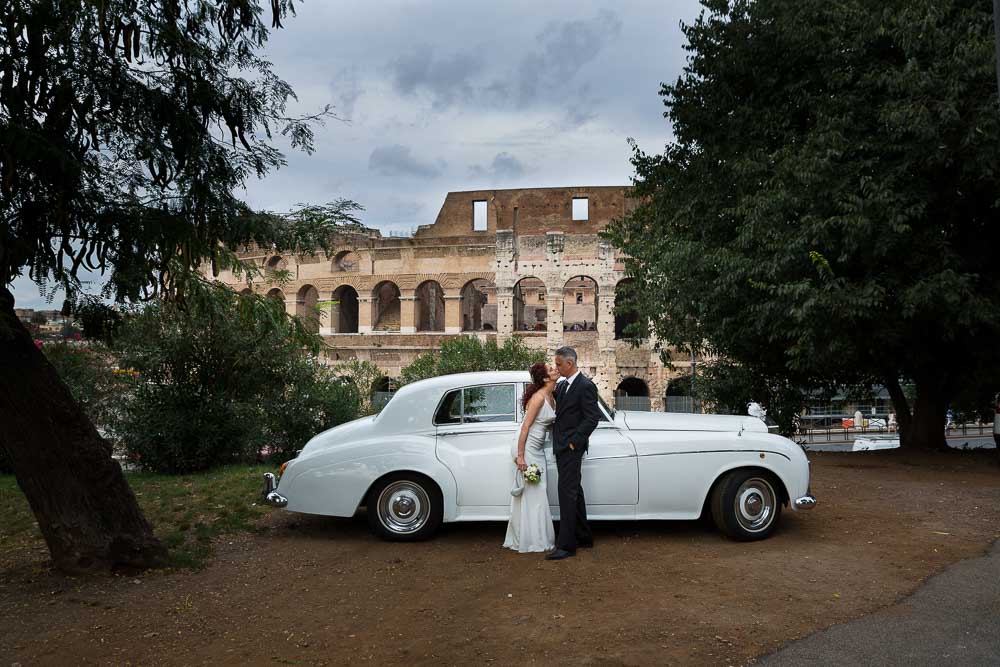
39,318
827,208
110,148
466,354
88,370
728,388
361,377
223,378
98,320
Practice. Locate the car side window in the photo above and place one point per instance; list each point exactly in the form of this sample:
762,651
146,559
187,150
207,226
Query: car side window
488,403
450,411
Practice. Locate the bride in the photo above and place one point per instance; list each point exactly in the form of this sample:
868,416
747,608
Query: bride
530,527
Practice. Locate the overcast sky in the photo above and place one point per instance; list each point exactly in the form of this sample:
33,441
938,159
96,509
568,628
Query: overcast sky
449,96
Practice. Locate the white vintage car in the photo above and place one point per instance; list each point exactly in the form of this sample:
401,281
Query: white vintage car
440,450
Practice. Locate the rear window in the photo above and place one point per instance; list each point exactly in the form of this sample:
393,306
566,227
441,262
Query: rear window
482,404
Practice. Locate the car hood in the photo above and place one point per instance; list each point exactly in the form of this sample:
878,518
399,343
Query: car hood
351,431
679,421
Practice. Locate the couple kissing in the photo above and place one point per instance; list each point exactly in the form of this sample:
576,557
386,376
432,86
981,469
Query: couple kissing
562,400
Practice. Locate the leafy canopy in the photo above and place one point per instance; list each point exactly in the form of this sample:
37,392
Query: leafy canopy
467,354
127,127
826,211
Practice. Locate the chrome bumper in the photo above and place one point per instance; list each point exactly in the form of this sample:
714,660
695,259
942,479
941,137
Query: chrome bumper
806,502
272,497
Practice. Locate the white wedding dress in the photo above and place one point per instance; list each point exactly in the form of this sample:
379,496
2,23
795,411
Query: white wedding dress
530,526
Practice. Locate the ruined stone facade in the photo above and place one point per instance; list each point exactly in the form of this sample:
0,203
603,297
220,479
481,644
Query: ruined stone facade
534,268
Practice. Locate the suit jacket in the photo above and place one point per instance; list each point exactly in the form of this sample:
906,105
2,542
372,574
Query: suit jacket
577,415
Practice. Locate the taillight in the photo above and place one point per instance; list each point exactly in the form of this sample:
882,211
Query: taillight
281,471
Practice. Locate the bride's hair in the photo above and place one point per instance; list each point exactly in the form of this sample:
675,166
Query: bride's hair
539,374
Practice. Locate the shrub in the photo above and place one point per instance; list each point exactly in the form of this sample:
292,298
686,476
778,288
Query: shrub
224,378
466,354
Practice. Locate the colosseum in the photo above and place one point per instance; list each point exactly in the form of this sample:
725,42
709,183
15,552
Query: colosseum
494,264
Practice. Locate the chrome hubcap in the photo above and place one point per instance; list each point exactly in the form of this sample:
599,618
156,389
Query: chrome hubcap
755,503
403,507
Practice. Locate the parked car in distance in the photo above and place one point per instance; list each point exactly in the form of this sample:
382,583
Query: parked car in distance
440,451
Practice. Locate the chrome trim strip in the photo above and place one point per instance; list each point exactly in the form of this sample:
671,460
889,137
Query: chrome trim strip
720,451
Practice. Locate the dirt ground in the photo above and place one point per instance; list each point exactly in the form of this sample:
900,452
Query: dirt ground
311,590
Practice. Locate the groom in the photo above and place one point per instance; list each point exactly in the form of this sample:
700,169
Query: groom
577,415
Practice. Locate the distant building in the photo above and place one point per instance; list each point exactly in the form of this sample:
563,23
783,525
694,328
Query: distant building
494,264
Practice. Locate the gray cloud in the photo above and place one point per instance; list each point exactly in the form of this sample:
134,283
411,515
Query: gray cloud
346,91
446,81
398,160
504,167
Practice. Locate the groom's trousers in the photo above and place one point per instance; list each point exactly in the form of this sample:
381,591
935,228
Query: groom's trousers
573,526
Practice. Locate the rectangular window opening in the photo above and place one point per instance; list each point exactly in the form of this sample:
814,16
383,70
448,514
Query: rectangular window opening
479,216
581,206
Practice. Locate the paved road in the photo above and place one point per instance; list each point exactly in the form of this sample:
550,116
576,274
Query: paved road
954,619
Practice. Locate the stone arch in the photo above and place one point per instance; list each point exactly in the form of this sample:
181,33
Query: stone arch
278,296
428,306
346,261
530,305
385,306
274,264
246,291
478,305
632,393
344,310
624,316
306,307
580,304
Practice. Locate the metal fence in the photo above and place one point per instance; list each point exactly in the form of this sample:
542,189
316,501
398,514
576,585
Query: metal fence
639,403
682,404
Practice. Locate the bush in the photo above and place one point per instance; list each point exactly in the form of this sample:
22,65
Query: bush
89,373
466,354
223,378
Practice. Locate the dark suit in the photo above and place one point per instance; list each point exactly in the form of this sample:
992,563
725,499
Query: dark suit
577,415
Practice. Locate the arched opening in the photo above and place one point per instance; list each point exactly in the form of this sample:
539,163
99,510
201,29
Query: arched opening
277,295
346,261
632,393
479,305
306,308
529,305
385,307
382,391
273,265
246,291
344,310
580,304
429,306
625,314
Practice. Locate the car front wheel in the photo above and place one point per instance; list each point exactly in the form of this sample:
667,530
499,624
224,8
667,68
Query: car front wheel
746,505
404,507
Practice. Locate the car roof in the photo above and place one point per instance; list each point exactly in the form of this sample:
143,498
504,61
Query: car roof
414,403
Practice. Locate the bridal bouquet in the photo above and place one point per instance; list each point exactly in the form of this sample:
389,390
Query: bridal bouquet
533,474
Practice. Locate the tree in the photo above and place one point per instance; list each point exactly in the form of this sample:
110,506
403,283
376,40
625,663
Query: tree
125,130
39,318
223,378
826,211
467,354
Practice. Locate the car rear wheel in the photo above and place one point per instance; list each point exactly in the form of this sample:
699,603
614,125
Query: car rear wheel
746,504
404,507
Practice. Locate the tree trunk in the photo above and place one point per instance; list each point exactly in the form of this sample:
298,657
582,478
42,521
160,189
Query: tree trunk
904,418
929,417
85,509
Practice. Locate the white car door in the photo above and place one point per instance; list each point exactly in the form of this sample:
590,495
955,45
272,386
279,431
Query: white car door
476,428
610,473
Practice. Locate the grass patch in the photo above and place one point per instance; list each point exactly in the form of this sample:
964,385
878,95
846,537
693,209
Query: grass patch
187,511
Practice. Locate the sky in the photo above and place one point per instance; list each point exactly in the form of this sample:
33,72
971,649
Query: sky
436,97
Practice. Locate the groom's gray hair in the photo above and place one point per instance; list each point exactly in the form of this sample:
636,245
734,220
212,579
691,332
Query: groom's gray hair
567,352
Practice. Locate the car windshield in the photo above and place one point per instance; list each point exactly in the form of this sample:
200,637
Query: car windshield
606,408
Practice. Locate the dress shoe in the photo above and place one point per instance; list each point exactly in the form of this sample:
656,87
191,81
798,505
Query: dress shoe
559,554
